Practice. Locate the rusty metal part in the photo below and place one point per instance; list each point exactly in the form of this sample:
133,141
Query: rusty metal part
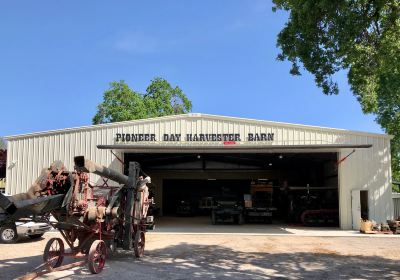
92,213
54,252
96,213
90,218
116,212
89,166
134,169
97,256
36,274
139,243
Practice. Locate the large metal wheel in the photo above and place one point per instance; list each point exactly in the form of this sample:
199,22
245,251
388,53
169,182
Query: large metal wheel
97,256
54,252
139,243
8,234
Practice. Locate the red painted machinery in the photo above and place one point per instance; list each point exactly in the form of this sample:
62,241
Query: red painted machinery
93,220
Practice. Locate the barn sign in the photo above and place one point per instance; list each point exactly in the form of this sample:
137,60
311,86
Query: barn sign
145,137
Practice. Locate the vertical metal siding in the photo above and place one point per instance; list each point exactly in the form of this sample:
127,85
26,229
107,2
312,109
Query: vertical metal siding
365,169
396,205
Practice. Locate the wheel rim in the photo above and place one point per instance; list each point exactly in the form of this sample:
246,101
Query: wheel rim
8,234
97,257
54,252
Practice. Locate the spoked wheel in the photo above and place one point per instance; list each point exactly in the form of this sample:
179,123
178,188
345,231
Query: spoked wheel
54,252
138,245
97,256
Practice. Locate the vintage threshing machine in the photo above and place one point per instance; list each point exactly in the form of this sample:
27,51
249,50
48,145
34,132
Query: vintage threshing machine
93,220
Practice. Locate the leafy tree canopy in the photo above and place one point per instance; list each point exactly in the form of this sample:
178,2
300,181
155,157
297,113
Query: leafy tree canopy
121,103
3,145
162,99
360,36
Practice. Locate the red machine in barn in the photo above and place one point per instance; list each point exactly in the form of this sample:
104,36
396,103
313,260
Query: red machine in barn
93,220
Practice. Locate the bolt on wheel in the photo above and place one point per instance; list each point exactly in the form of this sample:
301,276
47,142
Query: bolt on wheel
54,252
97,256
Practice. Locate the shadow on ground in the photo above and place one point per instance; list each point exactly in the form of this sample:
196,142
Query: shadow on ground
26,239
192,261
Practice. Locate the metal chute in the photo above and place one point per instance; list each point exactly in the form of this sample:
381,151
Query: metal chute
85,165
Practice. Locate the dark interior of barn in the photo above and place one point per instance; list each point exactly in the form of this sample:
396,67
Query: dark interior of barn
299,183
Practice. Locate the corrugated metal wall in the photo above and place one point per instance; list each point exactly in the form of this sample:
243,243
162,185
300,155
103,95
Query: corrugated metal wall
396,205
366,169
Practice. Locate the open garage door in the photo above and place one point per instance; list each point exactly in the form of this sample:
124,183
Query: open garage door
190,197
299,188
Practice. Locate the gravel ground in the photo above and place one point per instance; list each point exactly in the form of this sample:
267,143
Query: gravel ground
171,256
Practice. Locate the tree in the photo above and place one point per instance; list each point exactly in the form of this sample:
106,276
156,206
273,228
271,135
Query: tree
161,99
3,145
358,36
121,103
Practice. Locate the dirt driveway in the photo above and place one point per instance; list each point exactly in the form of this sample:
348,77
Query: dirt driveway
229,257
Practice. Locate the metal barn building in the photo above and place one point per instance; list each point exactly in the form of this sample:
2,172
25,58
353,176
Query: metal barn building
200,155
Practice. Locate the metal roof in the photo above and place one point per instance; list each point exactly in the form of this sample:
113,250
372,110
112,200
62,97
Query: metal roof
194,116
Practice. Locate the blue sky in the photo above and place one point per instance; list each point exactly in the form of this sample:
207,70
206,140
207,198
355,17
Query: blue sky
58,57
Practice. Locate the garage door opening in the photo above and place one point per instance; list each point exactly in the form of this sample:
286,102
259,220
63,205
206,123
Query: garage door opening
196,197
303,186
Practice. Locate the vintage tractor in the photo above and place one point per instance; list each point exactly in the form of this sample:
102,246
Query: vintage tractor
93,220
227,209
258,204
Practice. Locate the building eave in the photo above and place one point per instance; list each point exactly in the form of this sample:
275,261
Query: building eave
196,116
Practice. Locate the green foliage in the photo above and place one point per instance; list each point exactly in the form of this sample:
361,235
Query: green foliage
121,103
361,36
3,145
396,188
161,99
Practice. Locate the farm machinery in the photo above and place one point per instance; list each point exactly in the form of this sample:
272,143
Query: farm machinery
258,204
93,220
314,209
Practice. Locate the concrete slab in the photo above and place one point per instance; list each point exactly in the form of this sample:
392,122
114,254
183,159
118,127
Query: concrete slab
227,257
202,226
